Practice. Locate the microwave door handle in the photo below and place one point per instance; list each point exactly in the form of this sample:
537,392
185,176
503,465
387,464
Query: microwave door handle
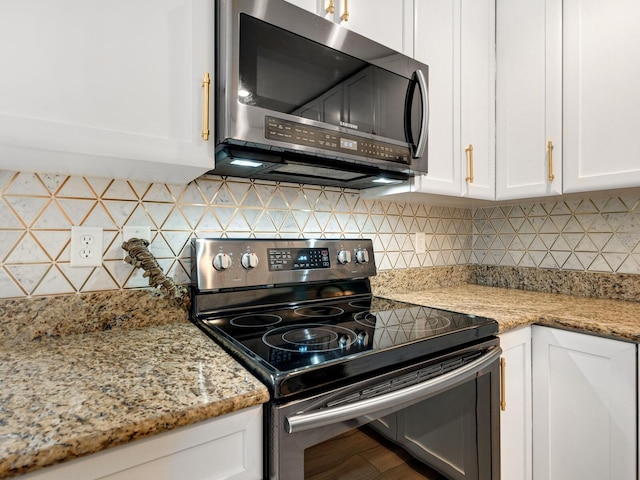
422,139
329,416
420,146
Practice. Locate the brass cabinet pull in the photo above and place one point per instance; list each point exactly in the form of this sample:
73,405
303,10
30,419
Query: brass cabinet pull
206,81
503,386
550,155
469,152
345,14
331,8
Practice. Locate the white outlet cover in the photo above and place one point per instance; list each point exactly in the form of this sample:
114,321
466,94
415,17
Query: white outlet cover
86,247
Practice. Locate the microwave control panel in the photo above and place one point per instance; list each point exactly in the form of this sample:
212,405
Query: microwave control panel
325,139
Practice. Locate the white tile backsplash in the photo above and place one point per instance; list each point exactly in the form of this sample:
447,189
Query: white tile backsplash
38,210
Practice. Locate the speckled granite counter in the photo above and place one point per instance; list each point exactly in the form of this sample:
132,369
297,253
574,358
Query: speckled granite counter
514,308
70,396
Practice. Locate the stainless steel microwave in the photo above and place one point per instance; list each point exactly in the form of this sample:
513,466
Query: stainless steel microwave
301,99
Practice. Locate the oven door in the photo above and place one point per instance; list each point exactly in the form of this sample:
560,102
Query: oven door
441,415
290,81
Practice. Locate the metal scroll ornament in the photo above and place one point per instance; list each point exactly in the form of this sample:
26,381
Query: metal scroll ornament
140,257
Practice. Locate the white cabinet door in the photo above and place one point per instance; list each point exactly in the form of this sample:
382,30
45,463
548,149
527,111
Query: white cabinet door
225,447
528,98
584,406
106,88
437,44
600,94
477,98
516,453
456,39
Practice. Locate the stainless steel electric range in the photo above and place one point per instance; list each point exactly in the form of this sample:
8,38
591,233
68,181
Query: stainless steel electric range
300,315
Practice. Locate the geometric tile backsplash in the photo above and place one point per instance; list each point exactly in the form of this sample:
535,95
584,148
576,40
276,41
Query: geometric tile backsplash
589,234
37,212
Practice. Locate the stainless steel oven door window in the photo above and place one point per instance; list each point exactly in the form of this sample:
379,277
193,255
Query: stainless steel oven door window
447,420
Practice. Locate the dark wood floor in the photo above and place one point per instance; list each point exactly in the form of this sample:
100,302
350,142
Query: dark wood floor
363,454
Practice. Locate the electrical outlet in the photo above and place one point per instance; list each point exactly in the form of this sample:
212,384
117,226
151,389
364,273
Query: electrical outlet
129,232
421,242
86,246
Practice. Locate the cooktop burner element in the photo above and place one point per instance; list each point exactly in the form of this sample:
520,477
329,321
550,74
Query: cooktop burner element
319,311
255,320
308,338
301,330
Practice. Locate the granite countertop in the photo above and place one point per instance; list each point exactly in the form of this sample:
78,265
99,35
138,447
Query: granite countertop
513,308
67,396
73,395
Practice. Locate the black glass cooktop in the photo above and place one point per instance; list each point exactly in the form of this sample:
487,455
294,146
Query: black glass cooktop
306,345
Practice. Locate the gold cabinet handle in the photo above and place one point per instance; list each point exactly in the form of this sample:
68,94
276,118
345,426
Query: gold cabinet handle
469,152
503,386
550,156
206,82
331,7
345,14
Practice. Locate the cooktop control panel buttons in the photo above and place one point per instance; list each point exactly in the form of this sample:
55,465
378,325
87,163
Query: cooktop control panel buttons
298,259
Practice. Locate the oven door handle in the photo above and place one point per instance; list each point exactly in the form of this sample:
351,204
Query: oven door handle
328,416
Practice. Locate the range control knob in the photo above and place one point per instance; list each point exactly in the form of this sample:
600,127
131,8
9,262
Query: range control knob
362,337
221,262
249,261
362,256
344,256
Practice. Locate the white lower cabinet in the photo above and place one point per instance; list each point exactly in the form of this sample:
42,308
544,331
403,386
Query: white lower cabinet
584,406
225,447
515,408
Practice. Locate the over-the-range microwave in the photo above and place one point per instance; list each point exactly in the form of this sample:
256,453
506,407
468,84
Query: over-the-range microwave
302,99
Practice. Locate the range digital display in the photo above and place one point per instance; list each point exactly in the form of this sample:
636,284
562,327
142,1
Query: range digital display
298,259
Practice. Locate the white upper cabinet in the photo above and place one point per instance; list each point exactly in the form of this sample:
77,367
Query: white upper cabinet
106,88
600,94
477,98
437,44
456,39
388,23
528,98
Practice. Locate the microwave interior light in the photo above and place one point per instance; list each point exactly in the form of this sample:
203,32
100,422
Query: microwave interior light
242,93
240,162
385,181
